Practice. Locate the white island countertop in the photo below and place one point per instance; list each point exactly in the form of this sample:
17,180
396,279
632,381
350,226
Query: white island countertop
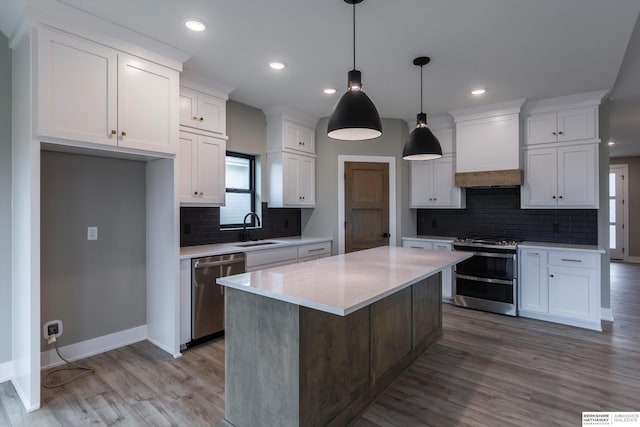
343,284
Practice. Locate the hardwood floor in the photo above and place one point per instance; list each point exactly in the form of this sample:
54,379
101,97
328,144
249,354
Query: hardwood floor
485,370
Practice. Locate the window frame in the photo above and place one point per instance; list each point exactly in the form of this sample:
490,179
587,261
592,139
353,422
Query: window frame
251,190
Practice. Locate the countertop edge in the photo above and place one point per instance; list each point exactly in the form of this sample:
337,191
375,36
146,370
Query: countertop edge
188,252
562,246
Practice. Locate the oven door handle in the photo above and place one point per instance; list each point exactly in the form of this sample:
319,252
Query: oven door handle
483,279
491,254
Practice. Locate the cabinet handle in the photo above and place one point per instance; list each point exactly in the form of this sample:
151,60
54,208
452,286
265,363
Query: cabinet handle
202,193
570,260
195,117
553,197
316,249
434,199
195,193
201,119
560,133
551,275
113,132
123,133
430,199
554,133
416,247
561,197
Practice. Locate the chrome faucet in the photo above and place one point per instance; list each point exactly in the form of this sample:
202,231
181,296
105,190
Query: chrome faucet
244,224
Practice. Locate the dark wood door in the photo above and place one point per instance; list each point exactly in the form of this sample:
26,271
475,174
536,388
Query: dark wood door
366,205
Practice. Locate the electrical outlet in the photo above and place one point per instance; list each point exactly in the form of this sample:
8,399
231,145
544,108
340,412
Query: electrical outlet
52,328
92,233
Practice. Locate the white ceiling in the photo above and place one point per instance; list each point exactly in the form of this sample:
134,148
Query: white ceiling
514,48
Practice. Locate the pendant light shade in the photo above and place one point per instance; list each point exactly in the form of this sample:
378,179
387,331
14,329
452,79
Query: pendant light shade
354,117
422,143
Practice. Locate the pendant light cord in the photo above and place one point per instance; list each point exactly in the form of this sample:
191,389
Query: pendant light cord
354,35
421,90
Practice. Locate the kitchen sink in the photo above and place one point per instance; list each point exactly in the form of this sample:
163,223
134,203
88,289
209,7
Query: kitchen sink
252,244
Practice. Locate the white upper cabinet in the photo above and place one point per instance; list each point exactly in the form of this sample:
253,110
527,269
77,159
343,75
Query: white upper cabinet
292,180
291,131
298,137
445,137
564,177
575,124
202,111
432,184
202,170
87,92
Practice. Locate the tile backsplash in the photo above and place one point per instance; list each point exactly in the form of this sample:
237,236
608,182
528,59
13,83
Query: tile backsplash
201,226
495,212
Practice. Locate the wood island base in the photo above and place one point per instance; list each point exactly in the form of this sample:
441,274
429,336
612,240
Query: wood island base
288,365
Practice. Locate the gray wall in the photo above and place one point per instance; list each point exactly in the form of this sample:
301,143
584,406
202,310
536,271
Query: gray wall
247,132
5,198
633,183
323,220
94,287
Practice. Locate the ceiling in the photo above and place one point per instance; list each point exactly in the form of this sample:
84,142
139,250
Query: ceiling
513,48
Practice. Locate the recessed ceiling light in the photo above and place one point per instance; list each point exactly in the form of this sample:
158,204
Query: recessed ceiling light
276,65
611,143
195,24
329,91
478,91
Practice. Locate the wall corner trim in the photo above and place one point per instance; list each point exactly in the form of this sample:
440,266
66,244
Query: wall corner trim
93,346
6,371
606,314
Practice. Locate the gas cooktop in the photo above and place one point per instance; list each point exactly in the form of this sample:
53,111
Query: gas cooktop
486,242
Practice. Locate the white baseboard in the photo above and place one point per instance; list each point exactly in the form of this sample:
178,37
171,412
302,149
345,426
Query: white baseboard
6,371
80,350
23,396
606,314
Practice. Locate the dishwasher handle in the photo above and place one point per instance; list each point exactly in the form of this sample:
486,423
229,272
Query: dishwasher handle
199,264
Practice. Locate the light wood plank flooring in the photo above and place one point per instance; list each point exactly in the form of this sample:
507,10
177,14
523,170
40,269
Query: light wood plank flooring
486,370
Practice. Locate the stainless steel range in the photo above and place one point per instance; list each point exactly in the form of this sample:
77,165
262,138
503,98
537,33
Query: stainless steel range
488,280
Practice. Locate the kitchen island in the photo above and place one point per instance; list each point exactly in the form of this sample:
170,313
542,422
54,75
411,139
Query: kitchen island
312,344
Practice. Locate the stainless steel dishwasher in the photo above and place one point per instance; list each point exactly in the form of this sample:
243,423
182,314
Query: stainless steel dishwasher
207,297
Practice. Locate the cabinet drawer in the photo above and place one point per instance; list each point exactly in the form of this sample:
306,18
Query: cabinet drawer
574,259
271,256
314,249
417,244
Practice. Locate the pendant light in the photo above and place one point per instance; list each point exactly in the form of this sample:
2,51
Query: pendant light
354,117
422,143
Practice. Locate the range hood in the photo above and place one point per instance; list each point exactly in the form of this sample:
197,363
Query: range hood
488,140
499,178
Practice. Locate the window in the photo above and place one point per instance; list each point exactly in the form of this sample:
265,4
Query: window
240,195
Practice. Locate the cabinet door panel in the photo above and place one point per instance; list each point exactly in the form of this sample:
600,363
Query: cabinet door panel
212,114
291,190
188,108
145,105
444,191
211,169
421,182
577,178
188,155
308,138
573,293
576,124
541,128
77,89
307,181
533,281
540,178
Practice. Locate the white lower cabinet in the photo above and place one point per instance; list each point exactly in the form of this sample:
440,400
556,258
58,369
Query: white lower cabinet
202,170
560,286
435,245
